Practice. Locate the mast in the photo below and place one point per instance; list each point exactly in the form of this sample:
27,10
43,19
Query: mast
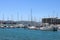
35,21
56,18
31,15
21,17
11,17
52,20
2,18
17,16
57,15
31,18
28,17
7,18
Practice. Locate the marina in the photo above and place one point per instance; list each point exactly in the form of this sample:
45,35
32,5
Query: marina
29,19
44,26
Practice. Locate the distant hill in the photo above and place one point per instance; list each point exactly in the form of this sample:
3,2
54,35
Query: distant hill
21,22
29,23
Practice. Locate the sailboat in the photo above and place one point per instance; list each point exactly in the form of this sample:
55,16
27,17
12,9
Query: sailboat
30,25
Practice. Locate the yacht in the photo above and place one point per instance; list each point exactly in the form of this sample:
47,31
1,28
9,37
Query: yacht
49,28
32,27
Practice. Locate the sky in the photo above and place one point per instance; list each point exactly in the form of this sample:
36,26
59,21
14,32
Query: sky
21,9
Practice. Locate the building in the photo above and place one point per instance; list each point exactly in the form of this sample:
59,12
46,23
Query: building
51,20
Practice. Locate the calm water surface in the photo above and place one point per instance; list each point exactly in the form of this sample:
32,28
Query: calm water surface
26,34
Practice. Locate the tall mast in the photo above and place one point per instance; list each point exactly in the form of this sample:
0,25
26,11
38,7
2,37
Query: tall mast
7,18
57,15
56,18
28,17
11,17
17,16
31,15
52,17
21,17
35,19
3,17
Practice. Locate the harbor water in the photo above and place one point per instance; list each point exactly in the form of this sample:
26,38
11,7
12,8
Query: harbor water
26,34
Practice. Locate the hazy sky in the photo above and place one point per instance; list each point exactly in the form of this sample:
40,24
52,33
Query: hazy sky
40,9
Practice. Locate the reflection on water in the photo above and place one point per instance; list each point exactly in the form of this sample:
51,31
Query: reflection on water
26,34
